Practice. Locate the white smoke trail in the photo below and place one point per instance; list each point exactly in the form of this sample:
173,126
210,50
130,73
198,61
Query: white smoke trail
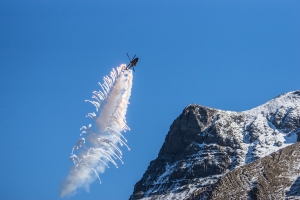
93,152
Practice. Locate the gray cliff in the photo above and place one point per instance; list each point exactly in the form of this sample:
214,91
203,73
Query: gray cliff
276,176
205,144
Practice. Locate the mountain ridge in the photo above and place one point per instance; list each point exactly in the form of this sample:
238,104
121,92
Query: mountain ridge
203,144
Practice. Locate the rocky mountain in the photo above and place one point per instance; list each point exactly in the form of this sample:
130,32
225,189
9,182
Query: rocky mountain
276,176
205,145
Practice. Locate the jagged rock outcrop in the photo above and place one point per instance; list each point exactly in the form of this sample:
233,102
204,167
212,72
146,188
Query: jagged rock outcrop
204,144
276,176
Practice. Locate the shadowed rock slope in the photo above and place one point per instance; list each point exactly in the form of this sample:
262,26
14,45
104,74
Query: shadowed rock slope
204,144
276,176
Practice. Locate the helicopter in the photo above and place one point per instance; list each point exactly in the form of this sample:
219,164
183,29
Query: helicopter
132,63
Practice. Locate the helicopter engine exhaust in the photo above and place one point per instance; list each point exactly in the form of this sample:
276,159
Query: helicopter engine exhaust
97,147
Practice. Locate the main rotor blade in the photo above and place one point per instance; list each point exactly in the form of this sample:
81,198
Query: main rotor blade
128,57
133,57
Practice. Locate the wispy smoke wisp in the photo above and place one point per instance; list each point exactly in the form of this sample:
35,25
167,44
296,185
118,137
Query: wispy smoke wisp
96,148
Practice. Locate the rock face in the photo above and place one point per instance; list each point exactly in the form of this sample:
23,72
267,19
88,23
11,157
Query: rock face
276,176
205,144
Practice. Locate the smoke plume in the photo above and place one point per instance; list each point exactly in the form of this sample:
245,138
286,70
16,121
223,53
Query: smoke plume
97,147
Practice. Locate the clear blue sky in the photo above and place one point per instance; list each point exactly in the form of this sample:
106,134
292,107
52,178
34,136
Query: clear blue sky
231,55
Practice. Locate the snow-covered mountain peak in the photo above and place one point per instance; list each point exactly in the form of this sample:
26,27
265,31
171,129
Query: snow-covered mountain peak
204,144
286,100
